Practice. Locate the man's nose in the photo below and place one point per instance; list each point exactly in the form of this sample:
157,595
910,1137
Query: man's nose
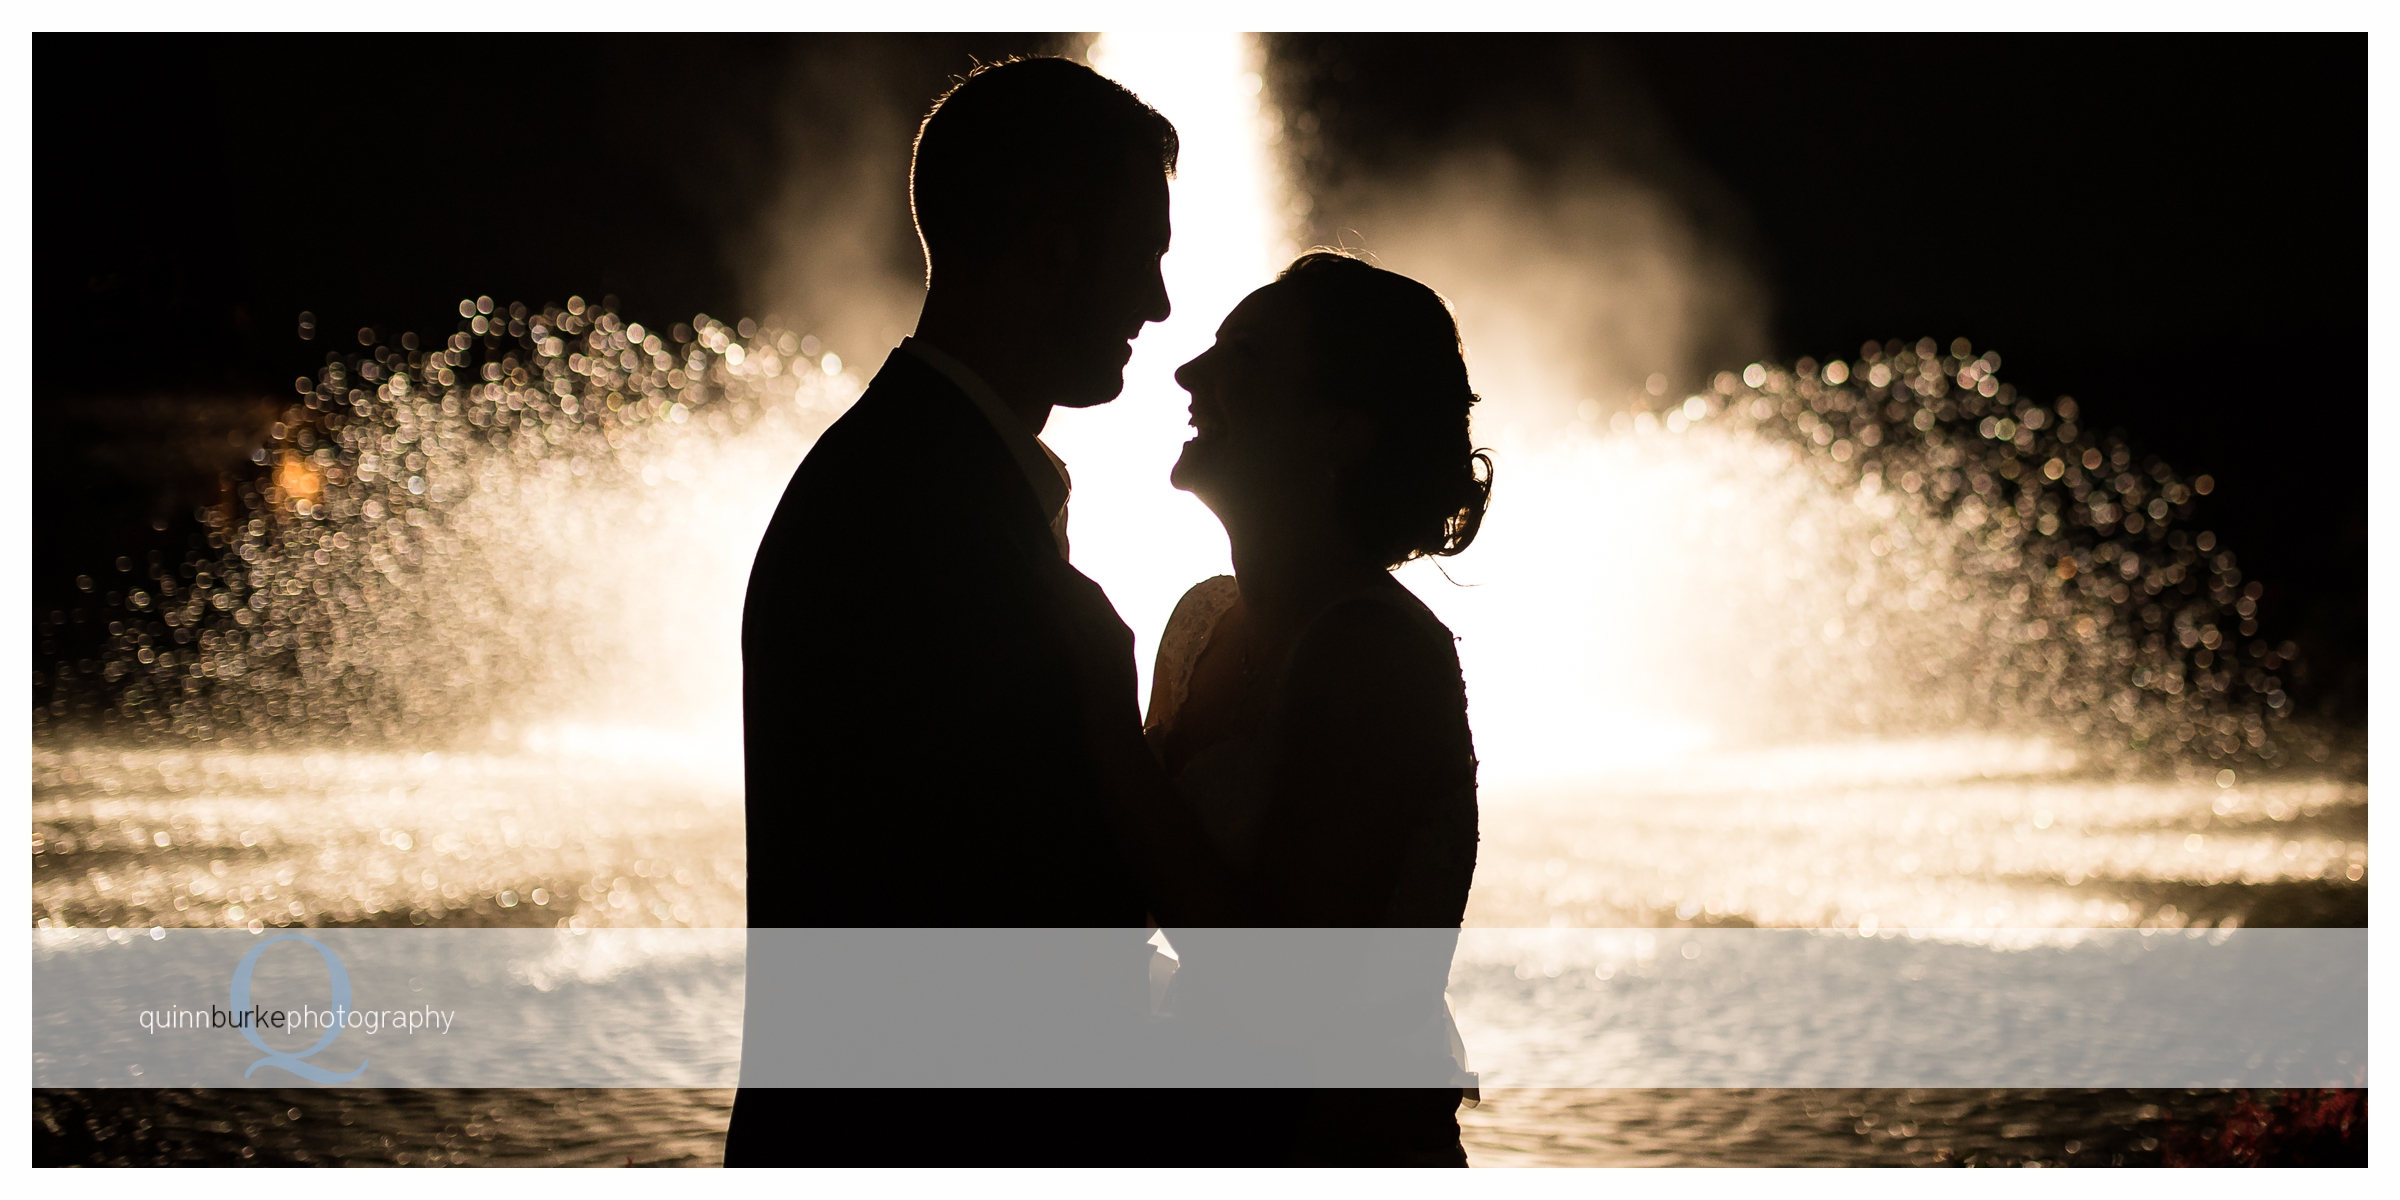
1187,376
1156,306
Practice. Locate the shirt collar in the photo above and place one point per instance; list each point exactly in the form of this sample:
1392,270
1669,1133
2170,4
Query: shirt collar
1045,471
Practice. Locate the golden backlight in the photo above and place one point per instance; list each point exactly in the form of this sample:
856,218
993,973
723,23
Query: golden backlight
1782,648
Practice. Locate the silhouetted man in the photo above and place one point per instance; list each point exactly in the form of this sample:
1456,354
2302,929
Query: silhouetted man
910,737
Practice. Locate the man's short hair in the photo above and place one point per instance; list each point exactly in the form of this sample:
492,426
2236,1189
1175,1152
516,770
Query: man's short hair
1024,136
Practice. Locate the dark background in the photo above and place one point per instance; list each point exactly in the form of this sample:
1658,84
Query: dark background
2173,230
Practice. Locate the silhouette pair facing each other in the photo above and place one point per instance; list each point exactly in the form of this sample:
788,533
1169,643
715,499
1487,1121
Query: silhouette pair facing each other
940,721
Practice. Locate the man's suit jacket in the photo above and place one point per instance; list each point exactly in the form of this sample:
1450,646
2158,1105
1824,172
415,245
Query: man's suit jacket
910,735
914,760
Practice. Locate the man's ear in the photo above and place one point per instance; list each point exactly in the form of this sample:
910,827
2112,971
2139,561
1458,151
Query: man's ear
1062,246
1042,243
1042,255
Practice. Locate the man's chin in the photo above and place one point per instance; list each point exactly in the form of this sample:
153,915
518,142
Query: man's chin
1093,391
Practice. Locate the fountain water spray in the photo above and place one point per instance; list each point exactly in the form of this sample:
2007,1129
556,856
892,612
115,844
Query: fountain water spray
465,648
533,533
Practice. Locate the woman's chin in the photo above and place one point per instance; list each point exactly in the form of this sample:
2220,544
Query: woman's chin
1190,472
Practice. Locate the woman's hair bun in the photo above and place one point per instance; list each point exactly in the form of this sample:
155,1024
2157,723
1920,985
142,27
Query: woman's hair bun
1386,345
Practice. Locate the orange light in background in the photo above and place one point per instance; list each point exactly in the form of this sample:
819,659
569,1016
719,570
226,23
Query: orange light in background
297,479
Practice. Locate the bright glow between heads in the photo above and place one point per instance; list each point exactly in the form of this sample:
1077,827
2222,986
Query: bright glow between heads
1144,541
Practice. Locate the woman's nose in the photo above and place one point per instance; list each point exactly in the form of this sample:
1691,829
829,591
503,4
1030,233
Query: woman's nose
1187,376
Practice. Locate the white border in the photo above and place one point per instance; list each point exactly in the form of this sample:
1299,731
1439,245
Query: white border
1487,15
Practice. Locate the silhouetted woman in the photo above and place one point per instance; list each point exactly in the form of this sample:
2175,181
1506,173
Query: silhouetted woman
1306,762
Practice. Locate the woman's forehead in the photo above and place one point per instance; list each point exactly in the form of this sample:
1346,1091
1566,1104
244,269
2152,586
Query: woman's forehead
1264,311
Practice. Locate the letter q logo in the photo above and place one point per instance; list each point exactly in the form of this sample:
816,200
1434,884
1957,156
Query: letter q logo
295,1063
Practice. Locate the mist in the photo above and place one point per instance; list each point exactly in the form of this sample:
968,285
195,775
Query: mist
1588,258
832,248
1574,287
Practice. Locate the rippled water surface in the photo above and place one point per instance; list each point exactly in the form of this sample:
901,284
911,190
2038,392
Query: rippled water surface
1829,1127
1913,837
674,1128
1953,837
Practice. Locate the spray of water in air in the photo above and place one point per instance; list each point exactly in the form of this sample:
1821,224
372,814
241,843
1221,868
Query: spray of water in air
464,649
533,530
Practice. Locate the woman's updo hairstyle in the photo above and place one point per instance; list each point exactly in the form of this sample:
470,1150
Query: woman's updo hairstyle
1383,344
